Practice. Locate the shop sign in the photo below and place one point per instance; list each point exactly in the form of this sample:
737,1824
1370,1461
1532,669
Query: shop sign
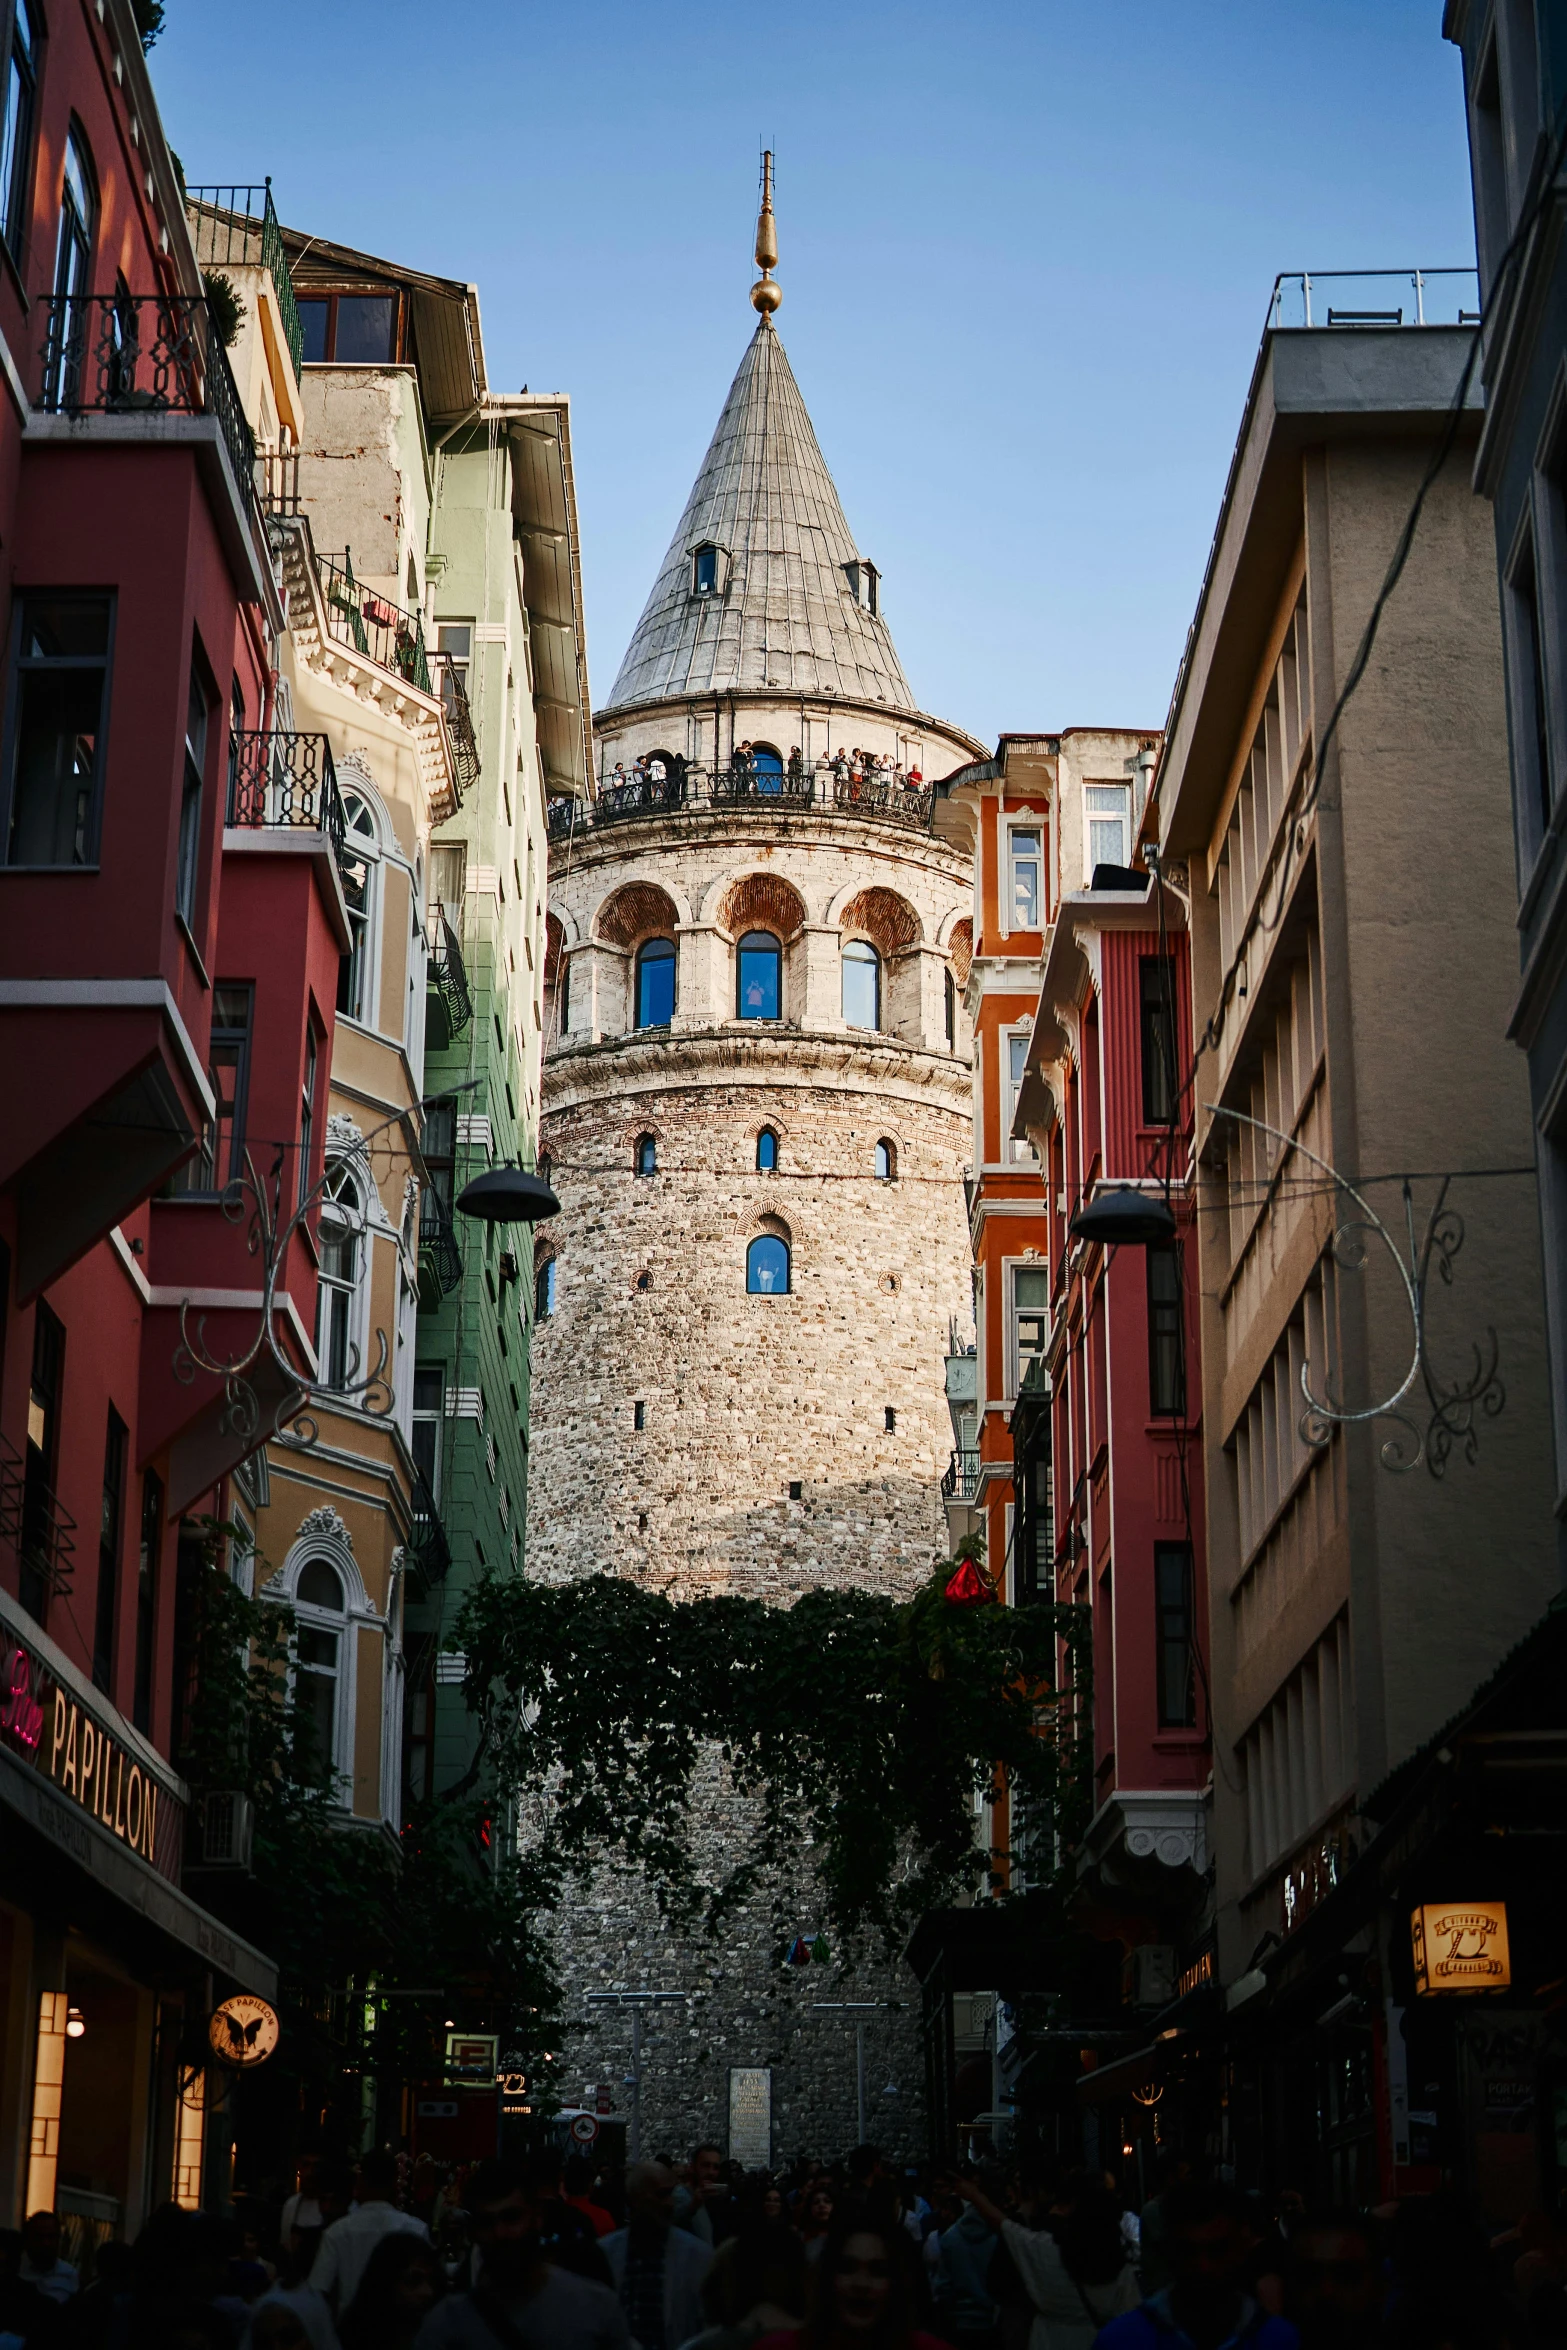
1460,1946
1193,1977
473,2057
85,1762
243,2031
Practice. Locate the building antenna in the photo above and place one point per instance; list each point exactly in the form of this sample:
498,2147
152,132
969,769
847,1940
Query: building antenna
765,295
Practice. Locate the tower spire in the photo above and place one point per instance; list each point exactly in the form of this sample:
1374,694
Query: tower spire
765,295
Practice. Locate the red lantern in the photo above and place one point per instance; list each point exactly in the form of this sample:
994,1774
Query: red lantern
968,1587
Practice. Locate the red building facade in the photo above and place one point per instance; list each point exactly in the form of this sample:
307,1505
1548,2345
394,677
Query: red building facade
171,919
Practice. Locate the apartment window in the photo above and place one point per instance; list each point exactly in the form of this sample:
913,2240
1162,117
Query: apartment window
1172,1575
357,329
1030,1319
767,1266
1166,1338
656,983
320,1614
189,860
148,1546
1109,811
59,706
16,134
758,966
544,1290
307,1113
1024,894
360,871
454,638
861,984
1156,976
438,1148
78,220
1015,1147
219,1161
1532,732
39,1563
111,1533
425,1426
341,1244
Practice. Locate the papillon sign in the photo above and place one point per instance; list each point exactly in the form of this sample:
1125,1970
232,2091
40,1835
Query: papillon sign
1460,1946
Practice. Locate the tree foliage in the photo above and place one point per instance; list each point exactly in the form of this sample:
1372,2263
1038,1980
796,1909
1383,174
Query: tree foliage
861,1727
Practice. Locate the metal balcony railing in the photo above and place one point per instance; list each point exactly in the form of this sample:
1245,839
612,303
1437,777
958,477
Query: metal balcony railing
238,227
277,481
432,1553
440,1258
652,797
359,616
960,1478
124,354
452,686
884,797
287,781
881,799
448,973
37,1527
731,785
1375,297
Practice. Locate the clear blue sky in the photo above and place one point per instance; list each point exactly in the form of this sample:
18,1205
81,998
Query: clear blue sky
1027,247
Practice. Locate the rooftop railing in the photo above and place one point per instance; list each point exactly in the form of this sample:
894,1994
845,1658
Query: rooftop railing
1376,298
139,354
238,227
362,617
880,799
287,781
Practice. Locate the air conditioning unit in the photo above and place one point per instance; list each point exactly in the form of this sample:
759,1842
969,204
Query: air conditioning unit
228,1826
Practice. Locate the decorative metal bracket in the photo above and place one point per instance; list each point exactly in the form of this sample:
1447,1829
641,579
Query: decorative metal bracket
1456,1406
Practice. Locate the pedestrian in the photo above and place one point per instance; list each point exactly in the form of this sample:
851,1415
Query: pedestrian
98,2318
713,2215
1171,2170
966,2250
274,2326
577,2190
518,2297
657,2268
294,2292
403,2280
567,2237
1335,2288
866,2293
42,2264
757,2284
796,767
25,2316
1208,2239
1074,2268
815,2216
348,2243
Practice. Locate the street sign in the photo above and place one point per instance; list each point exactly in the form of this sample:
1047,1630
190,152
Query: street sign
604,2098
584,2128
473,2057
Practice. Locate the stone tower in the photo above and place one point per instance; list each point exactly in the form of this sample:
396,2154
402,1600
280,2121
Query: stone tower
756,1108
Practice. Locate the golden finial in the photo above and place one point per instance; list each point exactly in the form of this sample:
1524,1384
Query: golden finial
765,296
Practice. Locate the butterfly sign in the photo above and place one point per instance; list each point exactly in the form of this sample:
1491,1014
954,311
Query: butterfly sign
243,2031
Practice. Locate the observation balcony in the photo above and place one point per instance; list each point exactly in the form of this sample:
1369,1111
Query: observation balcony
383,631
237,228
451,1001
440,1257
285,782
879,799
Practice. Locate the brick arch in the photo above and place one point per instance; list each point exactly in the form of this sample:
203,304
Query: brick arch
774,1226
880,915
638,910
960,950
762,901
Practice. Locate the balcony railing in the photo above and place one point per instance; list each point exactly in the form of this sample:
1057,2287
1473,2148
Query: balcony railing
238,227
277,481
878,798
130,354
960,1478
448,977
287,781
440,1258
432,1553
452,685
359,616
1376,298
37,1526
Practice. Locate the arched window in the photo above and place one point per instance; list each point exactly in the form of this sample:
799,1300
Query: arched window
766,1151
321,1611
767,1266
767,766
360,870
341,1244
656,983
645,1161
861,984
758,965
544,1290
886,1161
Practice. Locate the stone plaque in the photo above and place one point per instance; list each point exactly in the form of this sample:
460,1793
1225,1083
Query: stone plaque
751,2116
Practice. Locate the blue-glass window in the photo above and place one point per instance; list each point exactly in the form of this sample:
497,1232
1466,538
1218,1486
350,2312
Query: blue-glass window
646,1161
656,983
767,1266
861,985
766,1151
756,991
886,1162
767,767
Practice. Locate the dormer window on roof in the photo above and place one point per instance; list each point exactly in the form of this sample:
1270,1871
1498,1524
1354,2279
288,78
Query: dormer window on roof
709,569
864,585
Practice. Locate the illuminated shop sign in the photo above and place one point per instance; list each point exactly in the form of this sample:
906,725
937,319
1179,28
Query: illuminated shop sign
84,1761
1460,1946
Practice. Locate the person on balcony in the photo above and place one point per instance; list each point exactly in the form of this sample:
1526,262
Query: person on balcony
796,768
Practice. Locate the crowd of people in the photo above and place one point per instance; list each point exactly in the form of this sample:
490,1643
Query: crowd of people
659,778
697,2255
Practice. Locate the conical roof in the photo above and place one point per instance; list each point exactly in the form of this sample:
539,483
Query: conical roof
784,616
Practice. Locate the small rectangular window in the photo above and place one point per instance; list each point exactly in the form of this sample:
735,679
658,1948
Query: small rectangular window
1016,1148
1172,1568
544,1290
189,861
429,1404
1166,1339
1024,896
1156,975
1533,734
221,1156
1109,811
59,705
1030,1318
16,132
307,1115
639,1415
704,571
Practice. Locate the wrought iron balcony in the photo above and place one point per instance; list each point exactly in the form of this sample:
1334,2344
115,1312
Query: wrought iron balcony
277,482
359,616
452,686
428,1546
885,798
130,354
730,785
960,1478
448,982
287,781
651,796
37,1527
440,1258
236,227
880,799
